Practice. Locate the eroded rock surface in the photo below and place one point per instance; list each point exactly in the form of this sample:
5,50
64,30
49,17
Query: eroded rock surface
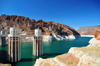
96,40
90,30
85,56
28,25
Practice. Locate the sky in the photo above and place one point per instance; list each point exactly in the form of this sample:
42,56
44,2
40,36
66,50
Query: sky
74,13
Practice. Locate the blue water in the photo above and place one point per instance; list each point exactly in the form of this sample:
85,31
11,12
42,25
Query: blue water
50,49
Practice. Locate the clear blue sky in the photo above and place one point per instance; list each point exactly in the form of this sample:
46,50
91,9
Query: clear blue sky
74,13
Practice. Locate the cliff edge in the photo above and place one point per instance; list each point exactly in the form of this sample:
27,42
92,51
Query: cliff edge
96,40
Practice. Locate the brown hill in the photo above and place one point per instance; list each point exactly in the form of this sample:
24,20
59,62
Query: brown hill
94,31
88,30
28,25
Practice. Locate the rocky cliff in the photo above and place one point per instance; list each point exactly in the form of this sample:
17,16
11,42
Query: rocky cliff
96,40
88,30
27,25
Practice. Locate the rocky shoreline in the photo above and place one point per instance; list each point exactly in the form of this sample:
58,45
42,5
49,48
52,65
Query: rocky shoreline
59,37
84,56
94,42
51,38
87,35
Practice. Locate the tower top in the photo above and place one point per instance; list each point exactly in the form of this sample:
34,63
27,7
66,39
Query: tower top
14,31
38,32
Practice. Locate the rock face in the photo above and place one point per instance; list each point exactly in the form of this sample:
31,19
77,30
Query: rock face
59,37
27,26
97,34
88,56
88,30
94,31
96,40
85,56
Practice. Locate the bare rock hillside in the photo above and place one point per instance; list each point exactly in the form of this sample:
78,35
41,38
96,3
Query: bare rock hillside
88,30
27,25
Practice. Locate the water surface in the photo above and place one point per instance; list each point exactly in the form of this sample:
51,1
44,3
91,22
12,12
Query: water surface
50,49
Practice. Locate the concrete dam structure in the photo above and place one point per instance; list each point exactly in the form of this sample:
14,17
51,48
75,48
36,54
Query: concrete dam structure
14,54
14,50
2,39
37,45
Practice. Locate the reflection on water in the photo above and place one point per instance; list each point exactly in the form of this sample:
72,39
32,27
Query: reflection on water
3,56
50,49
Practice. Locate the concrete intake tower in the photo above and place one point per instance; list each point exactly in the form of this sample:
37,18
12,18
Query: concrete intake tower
14,54
37,43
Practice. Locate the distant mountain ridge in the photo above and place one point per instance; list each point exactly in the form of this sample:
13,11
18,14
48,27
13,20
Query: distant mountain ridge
28,25
89,30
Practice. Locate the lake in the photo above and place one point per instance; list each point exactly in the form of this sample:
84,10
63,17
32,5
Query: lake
50,50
